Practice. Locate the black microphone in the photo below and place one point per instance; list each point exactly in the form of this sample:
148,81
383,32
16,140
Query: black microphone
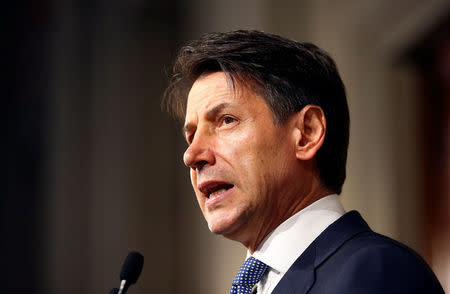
131,270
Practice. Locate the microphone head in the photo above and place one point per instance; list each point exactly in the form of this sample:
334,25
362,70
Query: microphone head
114,291
132,267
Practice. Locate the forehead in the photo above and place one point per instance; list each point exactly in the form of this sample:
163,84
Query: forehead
217,88
208,90
214,93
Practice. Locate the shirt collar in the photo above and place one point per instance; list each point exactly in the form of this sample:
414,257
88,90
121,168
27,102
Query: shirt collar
287,242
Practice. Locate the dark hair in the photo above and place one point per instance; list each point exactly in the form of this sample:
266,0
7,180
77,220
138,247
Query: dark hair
287,74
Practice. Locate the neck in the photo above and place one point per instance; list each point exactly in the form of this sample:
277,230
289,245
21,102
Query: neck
284,210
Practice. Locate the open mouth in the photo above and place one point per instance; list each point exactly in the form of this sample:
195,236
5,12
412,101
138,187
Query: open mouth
213,189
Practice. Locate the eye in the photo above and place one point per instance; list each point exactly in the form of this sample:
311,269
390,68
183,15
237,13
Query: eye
228,120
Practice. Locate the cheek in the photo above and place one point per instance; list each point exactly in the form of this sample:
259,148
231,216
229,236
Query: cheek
252,168
253,156
266,164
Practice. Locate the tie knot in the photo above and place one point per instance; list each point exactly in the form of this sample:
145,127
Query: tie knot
249,274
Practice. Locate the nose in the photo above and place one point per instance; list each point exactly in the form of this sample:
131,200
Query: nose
199,153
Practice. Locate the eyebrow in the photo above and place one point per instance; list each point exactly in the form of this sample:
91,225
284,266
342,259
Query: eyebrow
211,113
216,109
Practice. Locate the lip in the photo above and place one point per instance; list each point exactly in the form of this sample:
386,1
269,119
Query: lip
209,202
210,186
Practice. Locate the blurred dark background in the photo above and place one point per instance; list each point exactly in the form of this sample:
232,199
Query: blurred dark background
94,167
23,52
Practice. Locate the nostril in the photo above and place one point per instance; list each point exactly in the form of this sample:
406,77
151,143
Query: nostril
200,164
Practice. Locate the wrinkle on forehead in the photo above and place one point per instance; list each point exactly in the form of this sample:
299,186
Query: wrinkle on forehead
231,81
231,88
212,89
236,86
207,91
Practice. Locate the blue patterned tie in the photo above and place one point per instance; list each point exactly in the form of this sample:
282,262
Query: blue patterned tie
249,274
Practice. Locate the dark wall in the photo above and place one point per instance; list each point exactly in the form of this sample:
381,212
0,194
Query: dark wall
24,42
54,45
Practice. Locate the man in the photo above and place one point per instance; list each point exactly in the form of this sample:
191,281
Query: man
267,124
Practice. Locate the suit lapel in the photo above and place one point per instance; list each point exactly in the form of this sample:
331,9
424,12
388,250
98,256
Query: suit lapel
301,276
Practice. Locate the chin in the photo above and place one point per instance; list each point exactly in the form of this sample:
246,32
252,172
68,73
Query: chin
226,227
216,228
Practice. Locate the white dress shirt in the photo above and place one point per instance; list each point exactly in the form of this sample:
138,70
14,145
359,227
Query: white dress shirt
281,248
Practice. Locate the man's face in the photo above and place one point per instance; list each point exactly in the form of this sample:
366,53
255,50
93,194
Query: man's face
241,162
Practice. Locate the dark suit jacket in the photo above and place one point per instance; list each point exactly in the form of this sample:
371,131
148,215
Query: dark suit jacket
348,257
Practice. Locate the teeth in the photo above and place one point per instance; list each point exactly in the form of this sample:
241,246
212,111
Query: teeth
213,194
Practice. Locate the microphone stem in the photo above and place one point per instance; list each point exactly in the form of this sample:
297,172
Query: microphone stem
122,287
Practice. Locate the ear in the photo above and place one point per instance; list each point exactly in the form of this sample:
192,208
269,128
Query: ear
311,127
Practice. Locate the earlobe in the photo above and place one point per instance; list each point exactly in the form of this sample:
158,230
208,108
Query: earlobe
311,124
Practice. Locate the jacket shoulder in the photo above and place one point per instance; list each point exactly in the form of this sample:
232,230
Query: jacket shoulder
372,263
